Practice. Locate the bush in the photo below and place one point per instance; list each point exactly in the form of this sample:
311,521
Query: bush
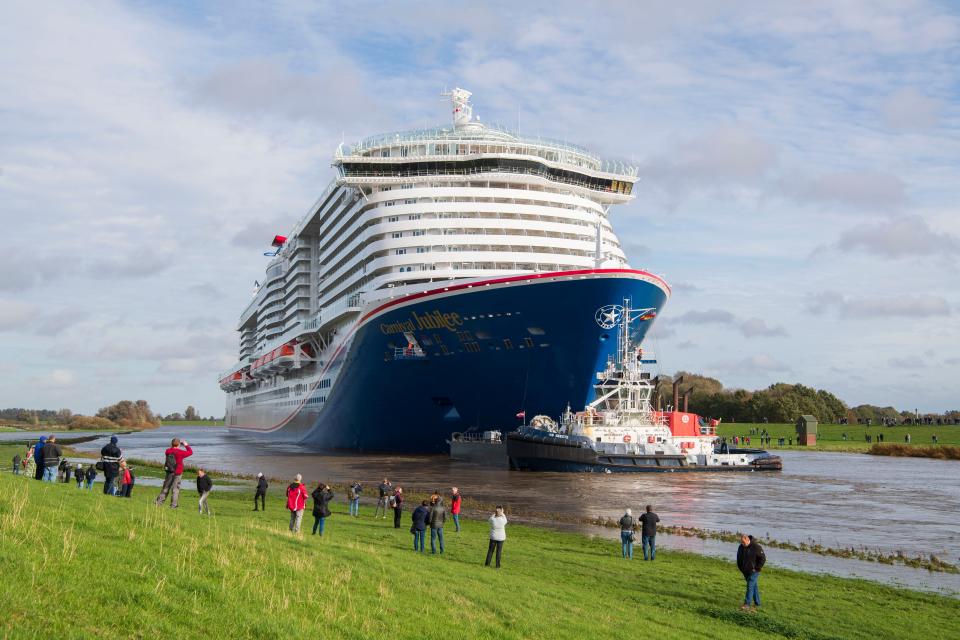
80,423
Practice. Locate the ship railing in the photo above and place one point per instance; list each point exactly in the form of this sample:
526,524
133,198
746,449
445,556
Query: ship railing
400,177
477,436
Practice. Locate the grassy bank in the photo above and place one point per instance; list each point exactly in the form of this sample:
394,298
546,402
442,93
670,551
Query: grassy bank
939,452
830,436
149,572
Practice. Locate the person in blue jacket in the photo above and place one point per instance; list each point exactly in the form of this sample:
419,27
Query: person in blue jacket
38,457
419,527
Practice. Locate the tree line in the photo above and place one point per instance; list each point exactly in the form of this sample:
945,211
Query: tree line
781,402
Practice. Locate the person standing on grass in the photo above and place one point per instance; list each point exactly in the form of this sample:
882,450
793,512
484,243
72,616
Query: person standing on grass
419,527
30,463
16,464
322,496
438,515
67,469
648,534
51,459
111,454
38,458
397,506
627,525
296,502
455,500
61,469
354,493
173,465
90,475
126,480
261,493
204,486
498,534
750,560
78,474
386,490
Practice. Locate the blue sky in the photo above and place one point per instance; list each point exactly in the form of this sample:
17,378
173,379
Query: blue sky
799,173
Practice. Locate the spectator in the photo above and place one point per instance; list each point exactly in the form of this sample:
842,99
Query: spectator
322,496
933,438
204,486
126,480
648,535
627,525
62,469
354,493
296,502
173,465
397,504
90,475
261,493
438,515
67,470
455,500
419,527
906,438
386,490
750,560
78,473
51,458
38,458
16,464
498,534
110,455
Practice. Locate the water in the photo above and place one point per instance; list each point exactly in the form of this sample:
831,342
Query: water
836,499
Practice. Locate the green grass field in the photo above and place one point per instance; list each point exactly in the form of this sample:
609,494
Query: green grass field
830,436
79,564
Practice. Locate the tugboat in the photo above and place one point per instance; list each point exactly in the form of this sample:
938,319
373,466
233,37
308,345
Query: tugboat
621,432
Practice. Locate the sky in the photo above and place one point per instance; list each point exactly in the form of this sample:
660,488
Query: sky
799,163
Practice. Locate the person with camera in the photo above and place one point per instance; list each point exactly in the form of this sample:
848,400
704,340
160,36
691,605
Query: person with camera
322,496
397,504
627,534
355,490
296,502
261,493
173,466
386,490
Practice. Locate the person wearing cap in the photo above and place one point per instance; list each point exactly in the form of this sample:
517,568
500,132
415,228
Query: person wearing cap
296,502
261,493
110,455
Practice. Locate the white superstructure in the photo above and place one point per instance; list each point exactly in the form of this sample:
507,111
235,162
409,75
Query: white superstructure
412,209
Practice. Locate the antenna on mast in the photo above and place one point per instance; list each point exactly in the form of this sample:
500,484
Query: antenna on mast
462,109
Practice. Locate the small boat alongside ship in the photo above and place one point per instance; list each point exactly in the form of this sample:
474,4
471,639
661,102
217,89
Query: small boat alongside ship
621,432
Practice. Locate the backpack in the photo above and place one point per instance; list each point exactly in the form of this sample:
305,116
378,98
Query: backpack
170,463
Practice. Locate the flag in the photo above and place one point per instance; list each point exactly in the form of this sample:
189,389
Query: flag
650,315
522,415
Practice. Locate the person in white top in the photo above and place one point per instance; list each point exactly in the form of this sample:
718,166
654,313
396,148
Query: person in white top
498,533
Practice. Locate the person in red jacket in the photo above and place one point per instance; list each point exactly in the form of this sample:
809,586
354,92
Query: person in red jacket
296,502
126,480
455,501
173,465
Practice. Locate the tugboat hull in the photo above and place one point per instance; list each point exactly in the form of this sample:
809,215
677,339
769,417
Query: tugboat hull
549,452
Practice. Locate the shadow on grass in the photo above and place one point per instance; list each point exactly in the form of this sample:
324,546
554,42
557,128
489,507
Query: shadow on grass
761,622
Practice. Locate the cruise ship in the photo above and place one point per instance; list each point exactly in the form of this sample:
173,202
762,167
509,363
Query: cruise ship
446,280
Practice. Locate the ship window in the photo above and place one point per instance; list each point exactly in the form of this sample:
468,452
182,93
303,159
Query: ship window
414,216
536,331
421,249
397,234
393,219
400,252
419,232
528,341
507,343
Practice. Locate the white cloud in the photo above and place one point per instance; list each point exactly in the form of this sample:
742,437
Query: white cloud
896,305
910,110
15,314
900,237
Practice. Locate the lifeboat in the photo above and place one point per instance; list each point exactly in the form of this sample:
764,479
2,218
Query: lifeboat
269,364
285,357
235,381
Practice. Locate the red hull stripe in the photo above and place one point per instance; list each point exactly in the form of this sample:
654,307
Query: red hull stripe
435,292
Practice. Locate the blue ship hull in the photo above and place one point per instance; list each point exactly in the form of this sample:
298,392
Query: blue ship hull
533,345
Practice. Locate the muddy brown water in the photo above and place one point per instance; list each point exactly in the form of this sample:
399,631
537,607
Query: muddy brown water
835,499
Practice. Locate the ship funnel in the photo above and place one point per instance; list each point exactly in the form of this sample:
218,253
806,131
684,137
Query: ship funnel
462,109
676,393
686,401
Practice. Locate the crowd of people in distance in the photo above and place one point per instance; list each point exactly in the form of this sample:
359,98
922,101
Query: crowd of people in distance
45,461
429,514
